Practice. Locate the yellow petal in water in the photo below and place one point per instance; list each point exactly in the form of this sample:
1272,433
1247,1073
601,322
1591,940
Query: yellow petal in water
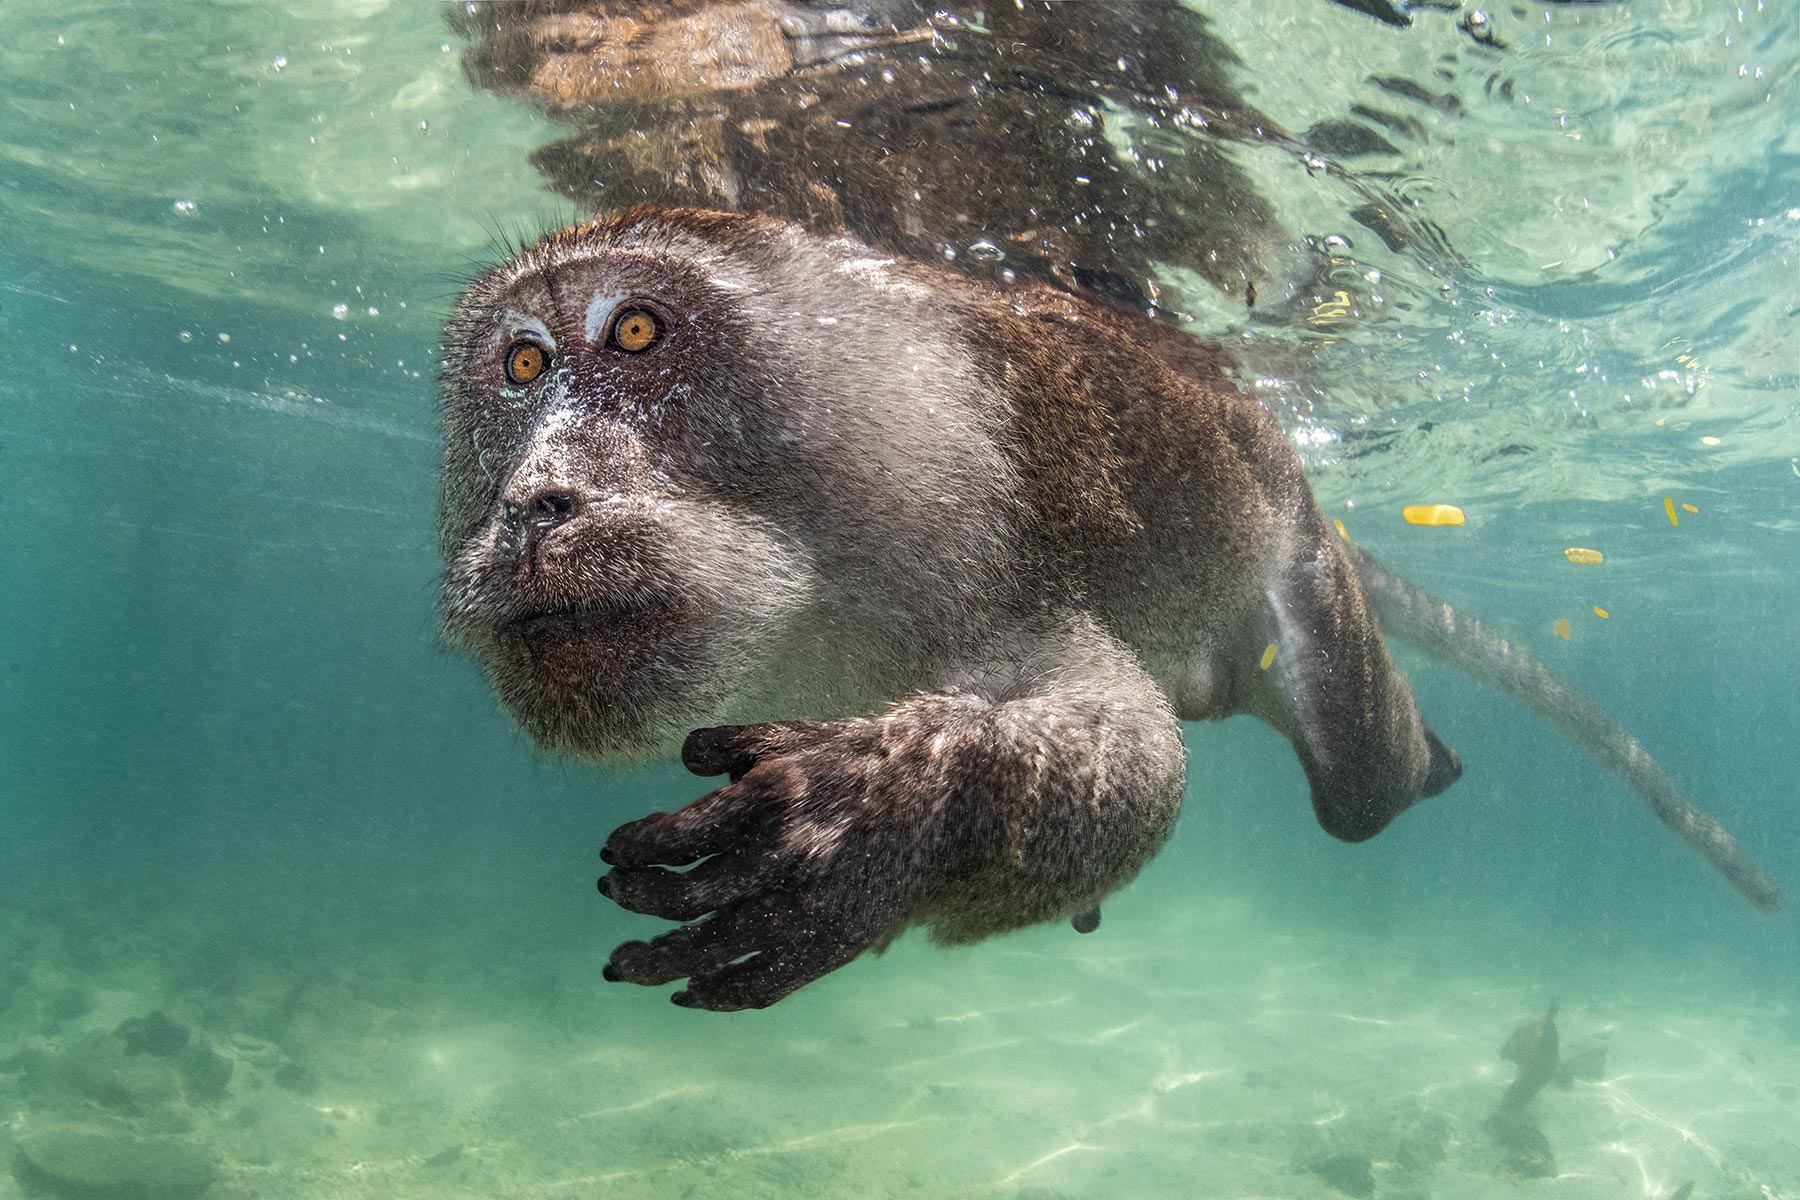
1268,656
1432,514
1669,507
1689,508
1561,626
1602,613
1342,532
1584,556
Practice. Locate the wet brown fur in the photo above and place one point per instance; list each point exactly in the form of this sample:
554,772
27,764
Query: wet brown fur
941,563
765,106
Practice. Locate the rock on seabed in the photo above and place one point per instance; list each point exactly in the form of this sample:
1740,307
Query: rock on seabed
93,1162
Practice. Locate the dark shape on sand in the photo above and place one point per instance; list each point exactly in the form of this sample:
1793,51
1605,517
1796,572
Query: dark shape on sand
110,1162
205,1072
1528,1154
1533,1046
1350,1174
1587,1065
296,1078
157,1034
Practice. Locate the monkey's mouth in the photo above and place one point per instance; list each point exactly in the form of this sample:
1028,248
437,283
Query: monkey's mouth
601,676
542,631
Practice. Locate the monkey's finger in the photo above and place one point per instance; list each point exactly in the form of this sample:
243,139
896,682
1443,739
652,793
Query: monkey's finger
697,949
721,820
683,896
734,749
762,979
720,750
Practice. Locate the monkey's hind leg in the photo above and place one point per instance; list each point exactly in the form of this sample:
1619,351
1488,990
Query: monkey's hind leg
1333,691
1462,642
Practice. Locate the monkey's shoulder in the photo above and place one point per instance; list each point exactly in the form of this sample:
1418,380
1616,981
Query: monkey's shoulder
1110,410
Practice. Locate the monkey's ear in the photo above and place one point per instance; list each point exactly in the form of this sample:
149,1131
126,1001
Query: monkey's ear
1329,685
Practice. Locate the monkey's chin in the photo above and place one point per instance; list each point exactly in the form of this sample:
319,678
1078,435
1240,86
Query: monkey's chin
601,685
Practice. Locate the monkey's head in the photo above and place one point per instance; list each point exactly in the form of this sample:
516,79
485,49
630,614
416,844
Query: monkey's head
701,467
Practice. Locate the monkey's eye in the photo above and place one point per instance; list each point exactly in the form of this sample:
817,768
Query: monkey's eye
525,362
634,330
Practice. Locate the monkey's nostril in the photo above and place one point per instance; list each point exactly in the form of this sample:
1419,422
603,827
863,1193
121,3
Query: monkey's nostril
550,508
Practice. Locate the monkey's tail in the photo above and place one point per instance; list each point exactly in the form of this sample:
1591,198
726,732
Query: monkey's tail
1409,613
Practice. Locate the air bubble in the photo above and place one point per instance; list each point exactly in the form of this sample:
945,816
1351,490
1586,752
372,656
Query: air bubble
186,336
185,206
340,311
279,62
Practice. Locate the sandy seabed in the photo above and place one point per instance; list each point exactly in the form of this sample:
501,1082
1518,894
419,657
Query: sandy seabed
1211,1053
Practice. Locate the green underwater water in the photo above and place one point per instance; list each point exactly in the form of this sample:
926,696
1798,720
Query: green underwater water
241,784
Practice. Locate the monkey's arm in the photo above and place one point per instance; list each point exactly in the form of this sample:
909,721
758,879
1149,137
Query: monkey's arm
1023,792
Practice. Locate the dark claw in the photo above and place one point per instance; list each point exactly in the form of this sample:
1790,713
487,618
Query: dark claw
605,886
1088,921
611,974
607,857
684,1000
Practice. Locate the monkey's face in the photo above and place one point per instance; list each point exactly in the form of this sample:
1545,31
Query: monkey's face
602,562
703,468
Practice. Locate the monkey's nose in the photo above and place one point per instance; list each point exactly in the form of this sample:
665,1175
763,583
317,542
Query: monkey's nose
537,512
550,508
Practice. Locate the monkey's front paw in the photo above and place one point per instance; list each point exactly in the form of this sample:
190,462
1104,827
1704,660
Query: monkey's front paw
811,856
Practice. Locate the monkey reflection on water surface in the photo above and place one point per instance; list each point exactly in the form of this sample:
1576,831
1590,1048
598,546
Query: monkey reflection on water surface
930,568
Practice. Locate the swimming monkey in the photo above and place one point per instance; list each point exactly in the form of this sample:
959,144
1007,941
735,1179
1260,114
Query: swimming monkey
930,569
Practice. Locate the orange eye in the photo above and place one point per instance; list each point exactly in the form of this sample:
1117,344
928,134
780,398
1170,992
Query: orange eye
634,330
525,362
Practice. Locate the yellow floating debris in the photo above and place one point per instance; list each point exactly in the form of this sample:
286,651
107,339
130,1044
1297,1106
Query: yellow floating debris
1268,656
1689,508
1602,613
1669,507
1662,420
1709,441
1561,626
1432,514
1342,532
1584,556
